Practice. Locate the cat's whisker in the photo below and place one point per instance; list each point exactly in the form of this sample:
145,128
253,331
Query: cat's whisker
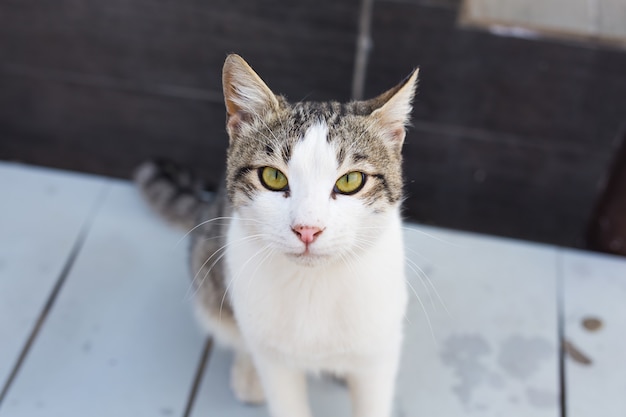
430,326
276,142
222,248
420,274
366,243
260,119
282,125
273,142
353,259
438,239
233,281
432,285
418,271
270,252
417,274
362,245
307,95
349,259
213,238
415,271
358,246
199,285
210,269
415,230
212,220
354,143
416,253
358,139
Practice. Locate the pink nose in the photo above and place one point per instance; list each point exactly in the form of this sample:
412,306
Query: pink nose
307,234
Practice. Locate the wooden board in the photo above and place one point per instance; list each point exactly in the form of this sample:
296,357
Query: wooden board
583,19
501,188
123,127
594,294
495,354
177,48
547,14
117,82
501,126
121,339
607,228
41,216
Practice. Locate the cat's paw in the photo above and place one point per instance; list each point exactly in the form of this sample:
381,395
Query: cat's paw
245,382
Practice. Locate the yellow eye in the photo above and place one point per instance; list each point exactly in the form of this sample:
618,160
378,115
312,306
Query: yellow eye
273,179
350,183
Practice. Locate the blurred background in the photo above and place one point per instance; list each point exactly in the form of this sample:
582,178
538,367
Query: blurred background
519,123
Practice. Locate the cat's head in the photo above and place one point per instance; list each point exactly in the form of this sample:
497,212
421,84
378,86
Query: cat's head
317,182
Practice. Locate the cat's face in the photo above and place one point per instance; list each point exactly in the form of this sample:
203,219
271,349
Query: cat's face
316,182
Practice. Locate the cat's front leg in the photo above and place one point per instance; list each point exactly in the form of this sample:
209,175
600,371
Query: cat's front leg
285,388
372,388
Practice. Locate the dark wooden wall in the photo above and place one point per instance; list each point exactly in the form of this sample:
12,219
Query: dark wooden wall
607,230
512,137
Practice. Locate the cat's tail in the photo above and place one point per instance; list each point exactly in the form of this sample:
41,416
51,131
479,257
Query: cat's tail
171,190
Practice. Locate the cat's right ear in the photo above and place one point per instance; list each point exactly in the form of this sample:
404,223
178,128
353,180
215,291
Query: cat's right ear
393,110
245,94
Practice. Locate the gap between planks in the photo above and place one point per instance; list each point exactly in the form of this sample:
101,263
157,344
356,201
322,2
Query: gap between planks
197,381
67,267
560,311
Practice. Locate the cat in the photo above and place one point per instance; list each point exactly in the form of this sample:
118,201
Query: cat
297,260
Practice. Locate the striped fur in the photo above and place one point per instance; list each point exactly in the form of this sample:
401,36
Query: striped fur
171,190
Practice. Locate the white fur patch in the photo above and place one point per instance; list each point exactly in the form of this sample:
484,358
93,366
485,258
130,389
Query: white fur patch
337,305
312,175
324,308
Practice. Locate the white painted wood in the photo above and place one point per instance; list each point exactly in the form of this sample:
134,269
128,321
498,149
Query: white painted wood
41,214
604,19
496,352
120,340
494,355
611,18
595,287
573,16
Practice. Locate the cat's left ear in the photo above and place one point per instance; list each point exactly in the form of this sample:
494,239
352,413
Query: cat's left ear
393,110
245,94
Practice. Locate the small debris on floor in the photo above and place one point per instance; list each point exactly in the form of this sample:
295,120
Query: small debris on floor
574,353
592,324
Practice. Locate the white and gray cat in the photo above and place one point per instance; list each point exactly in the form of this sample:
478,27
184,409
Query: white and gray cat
298,260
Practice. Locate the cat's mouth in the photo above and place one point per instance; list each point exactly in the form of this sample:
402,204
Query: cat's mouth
307,257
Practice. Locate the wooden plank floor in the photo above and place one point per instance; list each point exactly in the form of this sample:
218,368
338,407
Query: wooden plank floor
41,217
95,319
595,323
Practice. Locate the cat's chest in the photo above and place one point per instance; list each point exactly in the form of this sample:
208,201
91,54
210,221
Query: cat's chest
313,325
319,316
